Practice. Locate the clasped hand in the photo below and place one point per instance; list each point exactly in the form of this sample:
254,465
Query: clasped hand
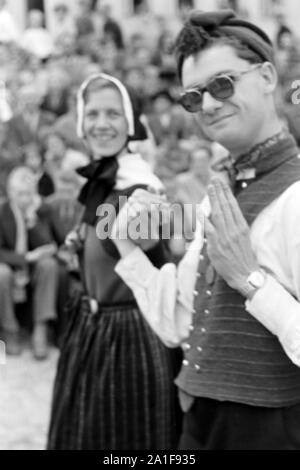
139,219
228,237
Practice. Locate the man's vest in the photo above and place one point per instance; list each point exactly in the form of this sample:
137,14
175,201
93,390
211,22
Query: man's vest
230,356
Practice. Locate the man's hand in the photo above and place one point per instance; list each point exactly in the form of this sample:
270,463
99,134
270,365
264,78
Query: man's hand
228,237
45,251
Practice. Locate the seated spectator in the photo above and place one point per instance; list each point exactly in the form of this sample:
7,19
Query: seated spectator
29,119
65,204
66,124
167,120
56,99
10,156
33,159
175,155
27,250
191,186
8,27
64,23
36,39
111,29
58,156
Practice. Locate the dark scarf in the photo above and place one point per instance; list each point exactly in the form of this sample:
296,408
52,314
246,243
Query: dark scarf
101,176
272,167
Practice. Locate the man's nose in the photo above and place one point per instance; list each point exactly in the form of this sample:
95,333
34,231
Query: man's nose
210,104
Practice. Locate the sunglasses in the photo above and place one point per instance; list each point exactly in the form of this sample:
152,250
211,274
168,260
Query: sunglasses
220,88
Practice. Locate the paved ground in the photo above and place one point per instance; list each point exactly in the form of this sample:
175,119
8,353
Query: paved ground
25,396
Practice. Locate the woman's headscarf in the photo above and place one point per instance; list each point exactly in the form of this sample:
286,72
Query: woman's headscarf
101,174
128,107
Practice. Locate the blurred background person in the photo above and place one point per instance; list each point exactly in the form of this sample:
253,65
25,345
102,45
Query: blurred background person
36,38
27,250
9,30
64,23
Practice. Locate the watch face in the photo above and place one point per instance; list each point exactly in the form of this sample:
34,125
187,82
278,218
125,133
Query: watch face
256,279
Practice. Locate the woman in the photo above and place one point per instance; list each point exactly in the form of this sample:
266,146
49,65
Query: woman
114,385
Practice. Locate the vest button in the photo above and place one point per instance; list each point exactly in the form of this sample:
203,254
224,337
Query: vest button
207,312
196,293
203,330
201,257
94,306
208,293
244,185
205,239
199,349
191,328
198,368
198,275
185,363
186,347
194,312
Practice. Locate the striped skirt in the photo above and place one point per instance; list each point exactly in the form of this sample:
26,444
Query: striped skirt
114,386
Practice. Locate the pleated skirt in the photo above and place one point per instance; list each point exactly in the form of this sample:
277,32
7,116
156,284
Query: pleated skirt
114,387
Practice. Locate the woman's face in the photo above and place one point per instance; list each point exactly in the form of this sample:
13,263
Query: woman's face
105,125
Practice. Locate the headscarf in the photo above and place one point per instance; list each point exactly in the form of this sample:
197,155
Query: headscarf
225,22
101,174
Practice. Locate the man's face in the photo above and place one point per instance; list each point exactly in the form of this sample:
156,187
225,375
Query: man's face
236,122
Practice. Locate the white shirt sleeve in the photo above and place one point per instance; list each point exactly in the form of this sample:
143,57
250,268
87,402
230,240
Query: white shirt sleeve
165,296
279,312
277,304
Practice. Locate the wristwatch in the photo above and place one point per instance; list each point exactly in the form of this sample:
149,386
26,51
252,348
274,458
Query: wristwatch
255,281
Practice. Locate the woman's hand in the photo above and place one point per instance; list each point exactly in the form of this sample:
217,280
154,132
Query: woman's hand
138,222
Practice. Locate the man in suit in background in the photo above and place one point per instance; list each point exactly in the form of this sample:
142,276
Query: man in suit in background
27,252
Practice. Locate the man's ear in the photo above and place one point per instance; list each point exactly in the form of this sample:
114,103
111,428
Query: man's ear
270,77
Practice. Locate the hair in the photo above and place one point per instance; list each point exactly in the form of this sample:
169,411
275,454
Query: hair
19,176
192,40
96,85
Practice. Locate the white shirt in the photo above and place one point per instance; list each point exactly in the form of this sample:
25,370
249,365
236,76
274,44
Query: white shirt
165,296
38,41
8,27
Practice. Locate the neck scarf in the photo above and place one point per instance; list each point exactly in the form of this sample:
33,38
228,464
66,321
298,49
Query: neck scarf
101,177
275,165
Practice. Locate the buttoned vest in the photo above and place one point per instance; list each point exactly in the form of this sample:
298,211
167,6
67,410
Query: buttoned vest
230,356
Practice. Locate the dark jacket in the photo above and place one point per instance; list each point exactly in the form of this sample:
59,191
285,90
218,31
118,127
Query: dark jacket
43,233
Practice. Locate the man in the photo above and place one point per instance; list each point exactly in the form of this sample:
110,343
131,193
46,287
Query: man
26,257
234,302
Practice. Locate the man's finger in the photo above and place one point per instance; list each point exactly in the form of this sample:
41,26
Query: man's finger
209,231
226,203
236,213
216,212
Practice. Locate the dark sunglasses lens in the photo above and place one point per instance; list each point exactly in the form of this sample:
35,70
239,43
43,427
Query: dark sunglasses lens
191,101
221,88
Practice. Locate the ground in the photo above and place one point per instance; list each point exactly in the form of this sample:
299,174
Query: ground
25,397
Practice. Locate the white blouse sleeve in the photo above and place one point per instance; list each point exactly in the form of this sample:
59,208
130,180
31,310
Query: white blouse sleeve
165,295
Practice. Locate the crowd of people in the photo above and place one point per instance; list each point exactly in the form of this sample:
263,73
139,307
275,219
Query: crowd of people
40,74
48,149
